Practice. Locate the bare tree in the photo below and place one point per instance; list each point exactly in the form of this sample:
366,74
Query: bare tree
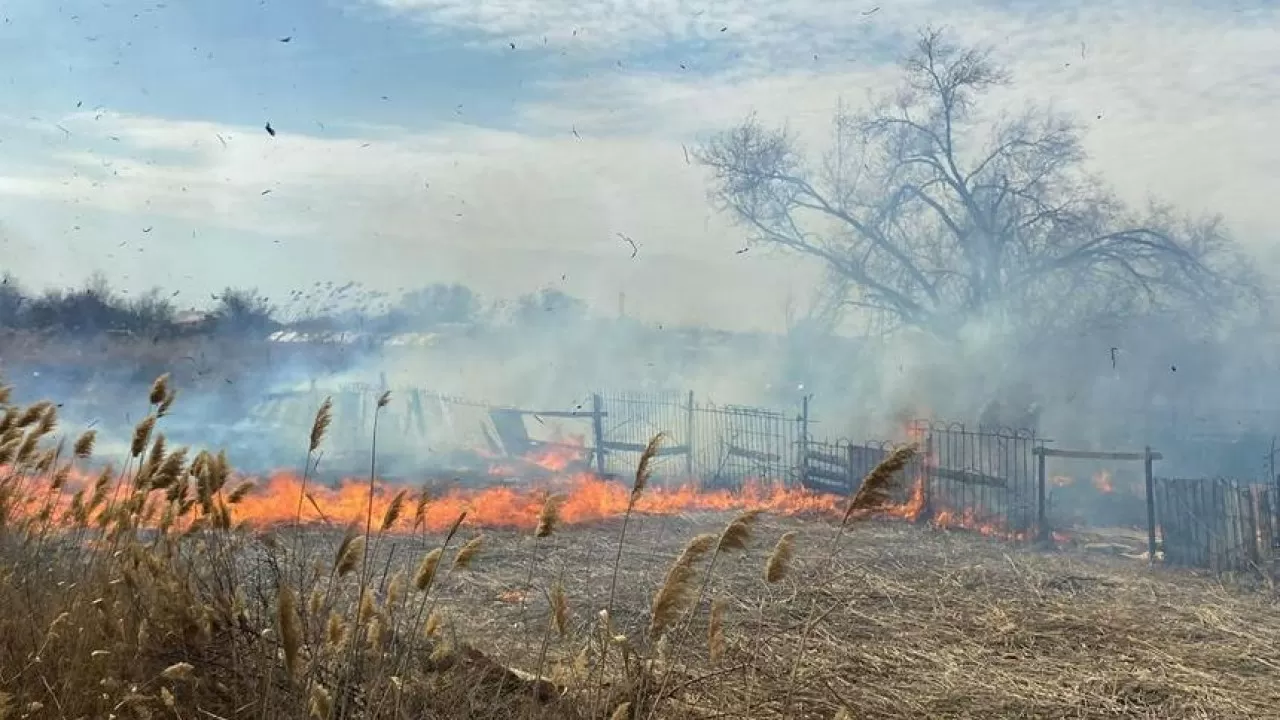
929,216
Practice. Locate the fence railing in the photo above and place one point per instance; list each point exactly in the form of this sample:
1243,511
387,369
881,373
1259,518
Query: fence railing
720,446
983,478
991,479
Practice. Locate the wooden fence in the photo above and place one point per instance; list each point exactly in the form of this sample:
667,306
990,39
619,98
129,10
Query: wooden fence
1219,524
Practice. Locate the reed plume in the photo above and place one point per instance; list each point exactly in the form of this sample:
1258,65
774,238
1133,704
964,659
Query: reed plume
159,390
715,630
351,556
427,569
874,492
290,628
560,609
467,553
394,510
775,568
549,517
673,595
141,434
737,533
637,489
83,446
320,426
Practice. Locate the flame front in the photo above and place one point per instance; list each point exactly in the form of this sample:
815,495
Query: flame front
282,499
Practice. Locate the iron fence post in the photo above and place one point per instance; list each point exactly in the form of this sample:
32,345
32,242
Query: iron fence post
597,423
688,438
1042,520
1151,507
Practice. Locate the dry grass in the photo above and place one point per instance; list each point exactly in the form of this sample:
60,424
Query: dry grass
143,598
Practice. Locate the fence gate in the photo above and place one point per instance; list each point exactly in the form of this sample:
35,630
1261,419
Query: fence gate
1147,457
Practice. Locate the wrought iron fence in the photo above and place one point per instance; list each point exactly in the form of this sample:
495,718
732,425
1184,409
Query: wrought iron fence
719,446
982,478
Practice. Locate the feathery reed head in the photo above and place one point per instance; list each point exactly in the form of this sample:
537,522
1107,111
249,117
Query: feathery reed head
549,517
159,390
775,568
320,425
715,630
321,703
737,533
32,414
642,468
83,446
467,553
876,486
673,595
427,569
141,434
394,510
420,509
559,609
349,555
290,628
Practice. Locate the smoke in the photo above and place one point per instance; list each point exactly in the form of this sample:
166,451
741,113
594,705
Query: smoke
1200,396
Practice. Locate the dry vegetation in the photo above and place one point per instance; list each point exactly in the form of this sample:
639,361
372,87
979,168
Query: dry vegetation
142,597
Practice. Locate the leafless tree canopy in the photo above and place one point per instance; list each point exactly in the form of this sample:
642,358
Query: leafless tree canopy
931,217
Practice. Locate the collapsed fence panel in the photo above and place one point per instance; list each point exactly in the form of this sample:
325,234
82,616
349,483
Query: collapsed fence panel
984,478
839,466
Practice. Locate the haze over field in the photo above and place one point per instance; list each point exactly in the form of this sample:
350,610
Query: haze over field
514,147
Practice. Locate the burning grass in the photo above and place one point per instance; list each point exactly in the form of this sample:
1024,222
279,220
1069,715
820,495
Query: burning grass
146,595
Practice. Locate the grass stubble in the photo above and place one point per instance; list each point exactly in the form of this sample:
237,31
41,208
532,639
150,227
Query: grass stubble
140,595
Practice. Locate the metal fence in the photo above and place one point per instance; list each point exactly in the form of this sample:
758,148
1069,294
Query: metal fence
839,466
983,478
719,446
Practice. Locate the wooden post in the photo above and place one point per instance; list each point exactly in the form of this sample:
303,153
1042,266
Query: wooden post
1042,520
597,425
688,437
1151,507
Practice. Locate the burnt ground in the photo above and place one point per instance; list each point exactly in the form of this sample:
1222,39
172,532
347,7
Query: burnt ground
902,622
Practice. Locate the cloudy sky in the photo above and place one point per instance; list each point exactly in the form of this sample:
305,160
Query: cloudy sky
507,143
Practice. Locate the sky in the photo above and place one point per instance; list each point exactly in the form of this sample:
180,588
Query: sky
510,144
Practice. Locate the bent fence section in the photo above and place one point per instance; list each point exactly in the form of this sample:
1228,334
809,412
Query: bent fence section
983,478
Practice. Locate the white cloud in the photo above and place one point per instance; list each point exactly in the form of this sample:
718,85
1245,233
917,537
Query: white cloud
505,212
1188,99
1180,104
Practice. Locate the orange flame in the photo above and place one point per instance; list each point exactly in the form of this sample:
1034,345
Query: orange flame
1102,483
585,498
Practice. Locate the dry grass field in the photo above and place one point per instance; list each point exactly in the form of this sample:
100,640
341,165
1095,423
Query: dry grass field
138,594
